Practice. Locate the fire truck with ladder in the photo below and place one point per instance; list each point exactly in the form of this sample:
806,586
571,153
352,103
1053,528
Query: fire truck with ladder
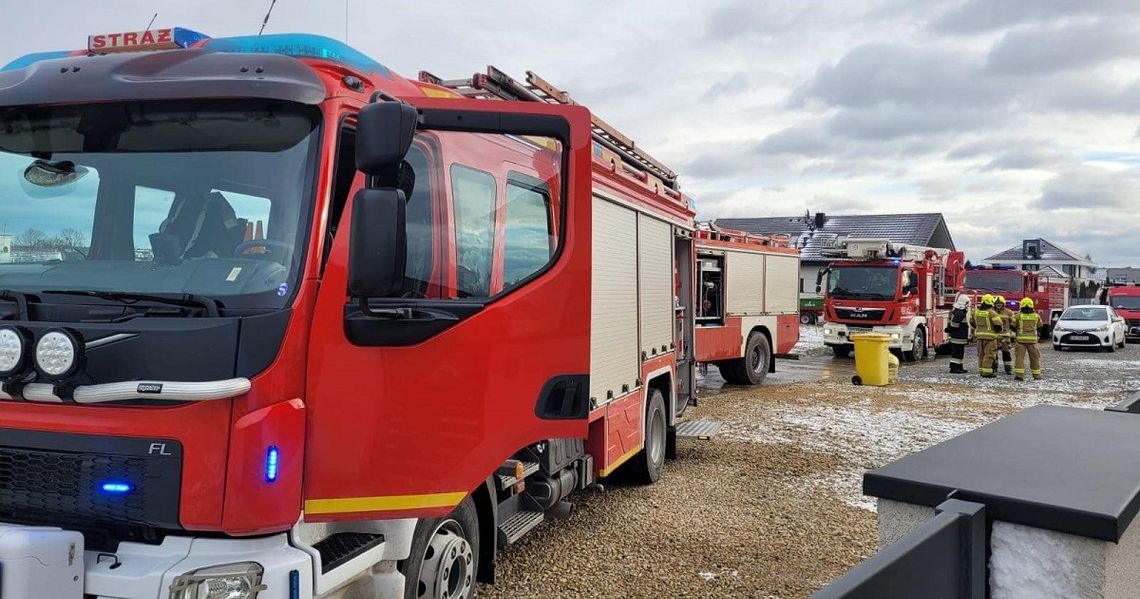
1050,296
330,331
904,291
747,302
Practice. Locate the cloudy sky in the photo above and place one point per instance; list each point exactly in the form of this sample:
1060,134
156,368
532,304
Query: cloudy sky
1015,119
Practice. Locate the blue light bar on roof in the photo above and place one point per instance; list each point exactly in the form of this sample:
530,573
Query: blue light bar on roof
299,45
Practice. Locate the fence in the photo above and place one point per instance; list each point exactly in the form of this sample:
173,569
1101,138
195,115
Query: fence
942,558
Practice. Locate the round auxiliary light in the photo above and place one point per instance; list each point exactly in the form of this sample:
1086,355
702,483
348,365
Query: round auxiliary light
58,354
13,351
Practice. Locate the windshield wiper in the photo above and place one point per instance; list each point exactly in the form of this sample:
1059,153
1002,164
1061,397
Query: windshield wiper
185,300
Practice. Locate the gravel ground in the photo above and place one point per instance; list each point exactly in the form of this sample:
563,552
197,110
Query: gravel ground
772,507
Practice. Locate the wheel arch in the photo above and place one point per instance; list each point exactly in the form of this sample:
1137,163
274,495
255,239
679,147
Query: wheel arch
663,382
763,330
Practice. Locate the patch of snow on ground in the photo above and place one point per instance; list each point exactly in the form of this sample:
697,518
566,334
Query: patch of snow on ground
811,341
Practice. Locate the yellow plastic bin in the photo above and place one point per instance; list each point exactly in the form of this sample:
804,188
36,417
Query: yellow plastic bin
874,364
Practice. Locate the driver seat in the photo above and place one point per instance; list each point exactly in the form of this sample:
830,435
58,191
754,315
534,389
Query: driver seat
208,229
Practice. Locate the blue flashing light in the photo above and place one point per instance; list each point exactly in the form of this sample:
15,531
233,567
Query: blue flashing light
271,460
299,45
896,261
116,487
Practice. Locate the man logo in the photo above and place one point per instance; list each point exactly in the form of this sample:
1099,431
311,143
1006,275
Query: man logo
149,388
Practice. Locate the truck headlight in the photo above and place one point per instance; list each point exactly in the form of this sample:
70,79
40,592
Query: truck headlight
231,581
827,331
894,335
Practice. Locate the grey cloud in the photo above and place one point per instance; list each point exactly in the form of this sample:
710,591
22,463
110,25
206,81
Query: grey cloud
1045,49
1026,158
874,74
1090,187
975,16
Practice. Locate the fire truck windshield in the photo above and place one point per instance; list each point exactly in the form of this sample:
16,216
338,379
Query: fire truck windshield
204,198
993,281
1125,302
863,282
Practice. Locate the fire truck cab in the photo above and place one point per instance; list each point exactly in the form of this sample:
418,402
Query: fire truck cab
1050,296
904,292
314,329
1125,299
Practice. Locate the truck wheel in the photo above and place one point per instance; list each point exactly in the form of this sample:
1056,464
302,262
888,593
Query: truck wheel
840,351
805,318
918,348
648,465
445,555
753,367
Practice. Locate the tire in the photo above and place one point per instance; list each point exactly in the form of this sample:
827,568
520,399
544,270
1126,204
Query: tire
1056,347
1111,348
650,462
840,351
753,367
445,555
918,347
805,318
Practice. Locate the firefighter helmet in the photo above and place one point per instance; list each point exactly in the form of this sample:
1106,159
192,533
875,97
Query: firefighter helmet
988,299
962,302
1026,302
1000,301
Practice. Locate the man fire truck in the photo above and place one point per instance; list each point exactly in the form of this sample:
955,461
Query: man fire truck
452,312
747,304
904,292
1050,296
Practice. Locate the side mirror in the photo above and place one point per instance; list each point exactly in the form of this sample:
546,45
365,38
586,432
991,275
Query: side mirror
384,133
378,239
819,279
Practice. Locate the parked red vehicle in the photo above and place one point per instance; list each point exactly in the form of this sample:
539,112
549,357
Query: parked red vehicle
1050,296
1126,300
904,292
335,332
747,304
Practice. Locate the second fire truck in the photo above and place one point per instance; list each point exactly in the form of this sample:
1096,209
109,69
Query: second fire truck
747,302
1050,296
904,292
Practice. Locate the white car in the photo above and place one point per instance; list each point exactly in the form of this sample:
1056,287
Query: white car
1090,326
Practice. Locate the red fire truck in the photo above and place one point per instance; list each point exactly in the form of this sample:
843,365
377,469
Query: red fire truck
458,310
747,304
1050,296
1125,299
904,292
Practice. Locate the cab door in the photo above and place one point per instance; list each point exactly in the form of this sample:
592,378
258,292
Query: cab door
416,398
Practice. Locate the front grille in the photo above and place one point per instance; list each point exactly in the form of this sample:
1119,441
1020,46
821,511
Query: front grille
54,478
867,314
1133,323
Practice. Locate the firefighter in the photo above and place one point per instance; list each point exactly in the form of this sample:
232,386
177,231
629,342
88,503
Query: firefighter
1028,332
1005,341
959,330
989,328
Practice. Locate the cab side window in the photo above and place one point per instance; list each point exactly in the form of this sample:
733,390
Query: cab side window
473,196
421,230
528,239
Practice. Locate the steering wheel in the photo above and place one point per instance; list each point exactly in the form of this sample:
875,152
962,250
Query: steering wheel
274,250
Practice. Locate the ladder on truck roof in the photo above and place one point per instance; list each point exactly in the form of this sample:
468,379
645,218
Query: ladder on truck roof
497,84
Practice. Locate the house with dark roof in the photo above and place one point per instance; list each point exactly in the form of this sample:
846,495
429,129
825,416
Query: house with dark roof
814,233
1036,254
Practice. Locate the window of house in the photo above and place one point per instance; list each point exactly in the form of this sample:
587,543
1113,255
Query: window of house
529,236
473,193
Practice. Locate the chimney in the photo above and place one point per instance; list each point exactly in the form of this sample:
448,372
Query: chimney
820,219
